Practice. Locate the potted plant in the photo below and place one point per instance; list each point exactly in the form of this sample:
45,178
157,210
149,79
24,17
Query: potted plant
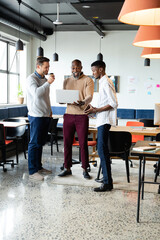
20,94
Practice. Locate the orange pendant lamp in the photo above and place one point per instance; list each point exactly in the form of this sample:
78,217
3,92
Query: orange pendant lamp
148,36
151,53
140,12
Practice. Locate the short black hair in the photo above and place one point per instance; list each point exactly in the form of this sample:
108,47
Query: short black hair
99,64
77,61
41,60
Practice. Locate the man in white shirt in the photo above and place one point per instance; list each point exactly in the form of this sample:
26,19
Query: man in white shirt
105,117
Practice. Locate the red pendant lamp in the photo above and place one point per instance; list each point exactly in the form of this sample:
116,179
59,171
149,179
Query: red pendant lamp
148,36
151,53
140,12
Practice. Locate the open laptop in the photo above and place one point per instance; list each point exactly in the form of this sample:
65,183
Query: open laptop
67,96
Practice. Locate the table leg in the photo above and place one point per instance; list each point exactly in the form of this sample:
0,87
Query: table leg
157,170
143,176
139,189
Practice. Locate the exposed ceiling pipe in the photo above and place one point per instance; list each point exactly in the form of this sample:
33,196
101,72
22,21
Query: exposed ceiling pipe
26,30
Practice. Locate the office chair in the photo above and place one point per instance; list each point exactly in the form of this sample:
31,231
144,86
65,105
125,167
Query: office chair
119,144
53,132
90,144
3,147
16,134
136,138
76,144
147,122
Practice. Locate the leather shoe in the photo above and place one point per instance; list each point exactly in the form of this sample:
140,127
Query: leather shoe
104,188
86,174
65,173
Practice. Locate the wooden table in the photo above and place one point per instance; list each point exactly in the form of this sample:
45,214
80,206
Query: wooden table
142,159
145,131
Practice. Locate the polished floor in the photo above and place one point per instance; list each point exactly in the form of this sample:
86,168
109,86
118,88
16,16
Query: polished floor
51,211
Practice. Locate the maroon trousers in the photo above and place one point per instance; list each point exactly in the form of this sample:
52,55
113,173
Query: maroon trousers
75,123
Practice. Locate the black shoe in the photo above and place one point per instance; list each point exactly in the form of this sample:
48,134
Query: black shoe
86,175
65,173
104,188
99,180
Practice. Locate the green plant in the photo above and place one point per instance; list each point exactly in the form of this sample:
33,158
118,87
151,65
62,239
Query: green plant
20,91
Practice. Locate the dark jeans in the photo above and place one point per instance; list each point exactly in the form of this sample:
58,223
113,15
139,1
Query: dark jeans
103,152
38,136
71,124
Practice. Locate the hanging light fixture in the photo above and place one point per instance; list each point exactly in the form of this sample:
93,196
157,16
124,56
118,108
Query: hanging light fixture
19,43
100,56
57,22
40,49
152,53
140,12
55,55
147,62
148,36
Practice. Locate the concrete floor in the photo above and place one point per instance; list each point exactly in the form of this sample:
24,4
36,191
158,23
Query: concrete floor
54,211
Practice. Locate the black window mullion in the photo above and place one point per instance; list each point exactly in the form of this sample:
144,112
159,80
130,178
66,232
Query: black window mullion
7,74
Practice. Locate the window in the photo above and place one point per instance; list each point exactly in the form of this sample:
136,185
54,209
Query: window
12,67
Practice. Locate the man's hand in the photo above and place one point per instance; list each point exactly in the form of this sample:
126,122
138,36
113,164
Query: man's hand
90,109
78,103
50,114
51,79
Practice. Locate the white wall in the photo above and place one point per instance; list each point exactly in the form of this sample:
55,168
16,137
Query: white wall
121,58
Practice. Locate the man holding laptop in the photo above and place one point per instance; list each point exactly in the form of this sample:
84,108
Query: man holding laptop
75,119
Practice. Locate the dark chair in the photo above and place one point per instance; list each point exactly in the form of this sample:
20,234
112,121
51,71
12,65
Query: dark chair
16,134
157,165
119,144
147,122
53,132
90,144
3,145
78,161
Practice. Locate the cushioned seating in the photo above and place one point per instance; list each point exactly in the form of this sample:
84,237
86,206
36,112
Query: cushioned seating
123,113
144,113
3,113
11,112
56,110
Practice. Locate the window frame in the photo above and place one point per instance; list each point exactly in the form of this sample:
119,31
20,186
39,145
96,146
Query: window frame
7,71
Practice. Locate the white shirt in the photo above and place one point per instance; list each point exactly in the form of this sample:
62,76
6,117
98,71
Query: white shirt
106,96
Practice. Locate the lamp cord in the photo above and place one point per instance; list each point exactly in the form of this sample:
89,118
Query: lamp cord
55,40
19,19
100,46
40,26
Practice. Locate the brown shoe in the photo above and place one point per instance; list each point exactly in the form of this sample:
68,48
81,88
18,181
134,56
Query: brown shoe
44,171
36,176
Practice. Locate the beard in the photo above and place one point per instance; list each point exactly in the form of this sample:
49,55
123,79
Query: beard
76,75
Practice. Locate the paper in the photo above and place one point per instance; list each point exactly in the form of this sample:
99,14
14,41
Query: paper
142,149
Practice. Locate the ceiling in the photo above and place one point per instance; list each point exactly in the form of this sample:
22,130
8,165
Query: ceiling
99,16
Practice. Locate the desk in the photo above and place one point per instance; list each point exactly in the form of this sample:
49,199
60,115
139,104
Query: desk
141,178
147,131
13,124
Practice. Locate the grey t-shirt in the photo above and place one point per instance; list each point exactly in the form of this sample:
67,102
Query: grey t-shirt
38,101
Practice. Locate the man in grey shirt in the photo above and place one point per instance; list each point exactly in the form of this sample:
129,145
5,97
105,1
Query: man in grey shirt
39,113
